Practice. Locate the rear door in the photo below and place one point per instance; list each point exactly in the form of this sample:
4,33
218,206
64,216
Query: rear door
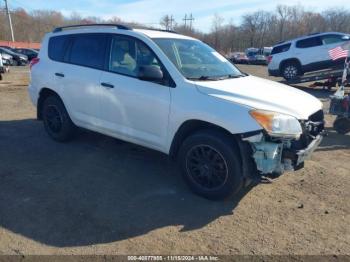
309,52
79,77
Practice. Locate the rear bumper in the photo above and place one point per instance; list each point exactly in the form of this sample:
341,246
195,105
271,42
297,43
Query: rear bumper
259,62
274,72
33,94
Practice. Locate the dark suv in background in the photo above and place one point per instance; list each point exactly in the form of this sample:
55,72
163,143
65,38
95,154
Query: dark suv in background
30,53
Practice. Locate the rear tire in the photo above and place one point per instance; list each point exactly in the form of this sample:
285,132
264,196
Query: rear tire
56,120
291,70
211,165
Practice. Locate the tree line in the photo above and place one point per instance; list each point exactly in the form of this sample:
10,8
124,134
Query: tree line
256,29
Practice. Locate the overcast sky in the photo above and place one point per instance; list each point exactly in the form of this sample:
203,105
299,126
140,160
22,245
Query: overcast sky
150,11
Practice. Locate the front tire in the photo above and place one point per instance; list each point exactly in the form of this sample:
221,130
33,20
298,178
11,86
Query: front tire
211,165
56,120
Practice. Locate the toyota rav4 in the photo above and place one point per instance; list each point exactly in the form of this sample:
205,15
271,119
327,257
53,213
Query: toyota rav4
177,95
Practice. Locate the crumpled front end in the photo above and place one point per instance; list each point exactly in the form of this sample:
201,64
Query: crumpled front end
275,155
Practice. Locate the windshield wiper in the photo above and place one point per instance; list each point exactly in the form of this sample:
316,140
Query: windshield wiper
203,78
232,76
215,78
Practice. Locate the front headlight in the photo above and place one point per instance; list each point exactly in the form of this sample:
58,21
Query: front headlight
277,124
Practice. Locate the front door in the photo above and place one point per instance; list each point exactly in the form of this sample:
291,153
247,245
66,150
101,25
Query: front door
131,108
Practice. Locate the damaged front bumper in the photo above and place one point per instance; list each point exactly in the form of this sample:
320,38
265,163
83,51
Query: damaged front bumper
300,156
275,157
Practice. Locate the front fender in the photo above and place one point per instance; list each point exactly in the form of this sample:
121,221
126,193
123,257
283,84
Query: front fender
232,117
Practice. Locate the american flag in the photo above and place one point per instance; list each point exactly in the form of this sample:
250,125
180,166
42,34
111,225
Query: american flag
338,52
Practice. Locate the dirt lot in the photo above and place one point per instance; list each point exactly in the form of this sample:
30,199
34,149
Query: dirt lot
98,195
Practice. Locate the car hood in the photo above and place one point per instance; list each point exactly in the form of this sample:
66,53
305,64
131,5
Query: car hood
262,94
6,56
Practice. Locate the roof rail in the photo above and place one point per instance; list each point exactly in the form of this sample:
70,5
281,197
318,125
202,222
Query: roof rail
281,42
316,33
160,30
118,26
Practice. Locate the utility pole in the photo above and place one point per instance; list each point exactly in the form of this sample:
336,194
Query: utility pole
171,21
185,19
190,18
10,21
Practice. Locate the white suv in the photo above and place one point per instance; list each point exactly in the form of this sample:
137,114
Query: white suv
293,58
174,94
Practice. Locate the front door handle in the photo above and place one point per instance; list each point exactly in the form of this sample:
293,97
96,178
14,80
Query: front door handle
107,85
59,74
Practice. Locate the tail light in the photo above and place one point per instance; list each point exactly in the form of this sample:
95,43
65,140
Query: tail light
269,58
33,62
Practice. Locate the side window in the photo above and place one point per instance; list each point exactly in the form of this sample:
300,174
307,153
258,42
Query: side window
309,42
332,39
280,49
145,57
57,47
123,56
88,50
128,55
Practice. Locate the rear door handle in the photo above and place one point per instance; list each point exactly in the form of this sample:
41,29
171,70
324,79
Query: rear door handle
107,85
59,74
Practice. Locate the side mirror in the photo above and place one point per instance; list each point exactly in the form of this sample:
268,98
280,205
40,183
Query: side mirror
150,73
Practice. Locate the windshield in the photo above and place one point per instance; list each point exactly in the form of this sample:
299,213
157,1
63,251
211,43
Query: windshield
196,60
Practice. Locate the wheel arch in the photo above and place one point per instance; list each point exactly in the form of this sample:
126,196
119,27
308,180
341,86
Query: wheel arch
43,94
248,166
189,127
284,62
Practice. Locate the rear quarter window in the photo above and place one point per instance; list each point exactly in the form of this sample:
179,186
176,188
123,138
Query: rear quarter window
88,50
280,49
57,47
333,39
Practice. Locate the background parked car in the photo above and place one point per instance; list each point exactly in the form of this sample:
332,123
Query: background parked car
258,56
7,59
18,59
30,53
239,58
251,53
293,58
259,60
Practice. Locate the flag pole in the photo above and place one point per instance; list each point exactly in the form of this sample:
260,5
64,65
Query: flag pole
340,93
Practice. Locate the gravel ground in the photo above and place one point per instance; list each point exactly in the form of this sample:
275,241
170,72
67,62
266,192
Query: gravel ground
99,195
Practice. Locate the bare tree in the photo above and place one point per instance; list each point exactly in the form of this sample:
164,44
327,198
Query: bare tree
283,16
337,20
167,22
217,25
